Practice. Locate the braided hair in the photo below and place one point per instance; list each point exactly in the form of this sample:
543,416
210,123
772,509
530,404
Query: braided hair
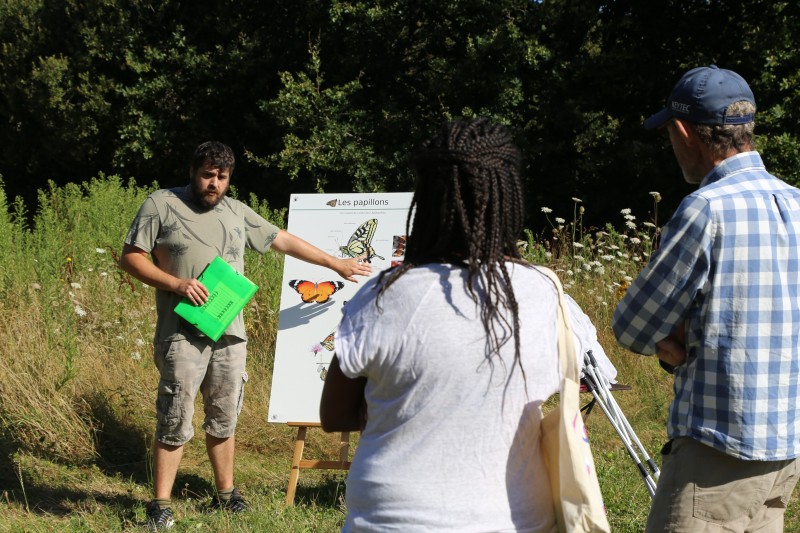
468,210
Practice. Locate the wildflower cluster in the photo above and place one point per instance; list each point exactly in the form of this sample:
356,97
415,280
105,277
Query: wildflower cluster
604,261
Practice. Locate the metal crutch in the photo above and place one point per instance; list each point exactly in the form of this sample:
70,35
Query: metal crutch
600,389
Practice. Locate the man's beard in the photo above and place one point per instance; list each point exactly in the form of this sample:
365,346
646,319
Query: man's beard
203,200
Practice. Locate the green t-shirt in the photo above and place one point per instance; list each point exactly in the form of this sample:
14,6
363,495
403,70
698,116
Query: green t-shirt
183,237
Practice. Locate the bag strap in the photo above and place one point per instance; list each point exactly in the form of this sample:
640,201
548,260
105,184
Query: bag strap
566,339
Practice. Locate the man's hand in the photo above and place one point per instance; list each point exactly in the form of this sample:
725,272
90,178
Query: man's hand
192,289
349,268
672,350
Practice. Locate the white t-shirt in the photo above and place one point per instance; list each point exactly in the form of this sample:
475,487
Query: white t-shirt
452,439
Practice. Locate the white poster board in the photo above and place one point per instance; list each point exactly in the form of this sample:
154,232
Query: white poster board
344,225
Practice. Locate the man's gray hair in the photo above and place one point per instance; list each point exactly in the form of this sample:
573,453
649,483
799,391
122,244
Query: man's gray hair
731,137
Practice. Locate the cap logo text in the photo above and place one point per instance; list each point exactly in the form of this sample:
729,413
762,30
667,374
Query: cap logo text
679,107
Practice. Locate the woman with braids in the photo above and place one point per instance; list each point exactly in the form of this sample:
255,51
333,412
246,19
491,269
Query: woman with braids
444,362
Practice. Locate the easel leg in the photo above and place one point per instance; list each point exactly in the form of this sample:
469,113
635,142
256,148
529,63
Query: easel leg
344,446
294,476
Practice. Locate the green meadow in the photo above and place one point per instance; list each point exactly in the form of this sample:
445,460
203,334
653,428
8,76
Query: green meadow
77,381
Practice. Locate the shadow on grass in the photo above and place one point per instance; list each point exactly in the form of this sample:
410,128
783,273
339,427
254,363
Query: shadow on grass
190,485
327,492
121,444
39,498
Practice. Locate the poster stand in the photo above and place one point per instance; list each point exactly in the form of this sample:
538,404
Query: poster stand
298,462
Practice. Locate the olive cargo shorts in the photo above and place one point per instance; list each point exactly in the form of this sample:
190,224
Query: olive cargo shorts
216,369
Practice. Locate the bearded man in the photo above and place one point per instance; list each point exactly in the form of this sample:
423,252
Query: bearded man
182,229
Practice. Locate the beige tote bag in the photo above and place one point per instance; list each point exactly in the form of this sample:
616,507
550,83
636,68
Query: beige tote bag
570,465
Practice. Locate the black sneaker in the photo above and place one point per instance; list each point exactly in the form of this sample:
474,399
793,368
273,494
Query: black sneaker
159,518
236,504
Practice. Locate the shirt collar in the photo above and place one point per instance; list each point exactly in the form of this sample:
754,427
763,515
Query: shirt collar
734,163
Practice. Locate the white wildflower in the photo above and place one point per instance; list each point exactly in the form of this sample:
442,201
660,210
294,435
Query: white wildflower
577,245
635,240
656,196
559,220
630,217
606,257
649,224
136,356
104,274
570,273
80,311
546,210
631,225
626,211
577,200
100,250
628,279
139,342
75,285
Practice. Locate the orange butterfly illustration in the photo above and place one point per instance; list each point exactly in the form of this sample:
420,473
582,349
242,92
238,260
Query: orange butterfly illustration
315,292
328,342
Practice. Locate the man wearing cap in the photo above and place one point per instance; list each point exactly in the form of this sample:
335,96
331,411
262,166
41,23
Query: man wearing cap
719,304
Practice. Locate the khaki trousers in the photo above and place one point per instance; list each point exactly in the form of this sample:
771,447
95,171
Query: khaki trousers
702,490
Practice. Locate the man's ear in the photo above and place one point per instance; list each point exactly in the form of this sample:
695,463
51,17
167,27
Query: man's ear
685,131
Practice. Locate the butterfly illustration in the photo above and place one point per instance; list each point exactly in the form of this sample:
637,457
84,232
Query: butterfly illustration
331,203
360,243
328,342
315,292
398,246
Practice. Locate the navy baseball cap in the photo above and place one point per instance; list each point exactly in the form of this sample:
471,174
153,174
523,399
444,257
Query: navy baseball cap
702,96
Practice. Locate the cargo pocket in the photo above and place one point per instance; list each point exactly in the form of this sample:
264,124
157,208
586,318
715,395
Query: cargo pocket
240,402
168,403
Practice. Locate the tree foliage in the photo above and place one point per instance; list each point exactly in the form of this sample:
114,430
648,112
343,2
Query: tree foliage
331,95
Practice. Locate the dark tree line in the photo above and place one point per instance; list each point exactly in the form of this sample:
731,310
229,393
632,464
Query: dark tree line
330,95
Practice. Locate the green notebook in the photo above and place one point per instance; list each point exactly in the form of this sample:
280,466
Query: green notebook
228,293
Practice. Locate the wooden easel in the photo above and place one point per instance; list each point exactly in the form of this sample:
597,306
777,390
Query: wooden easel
298,462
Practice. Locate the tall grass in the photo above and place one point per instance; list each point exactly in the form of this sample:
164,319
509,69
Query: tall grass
77,381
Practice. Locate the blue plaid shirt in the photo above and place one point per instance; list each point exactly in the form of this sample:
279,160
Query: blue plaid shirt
729,265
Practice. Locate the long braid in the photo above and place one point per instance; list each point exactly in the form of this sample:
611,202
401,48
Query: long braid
468,211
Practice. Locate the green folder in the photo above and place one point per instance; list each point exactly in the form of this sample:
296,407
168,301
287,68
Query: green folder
228,293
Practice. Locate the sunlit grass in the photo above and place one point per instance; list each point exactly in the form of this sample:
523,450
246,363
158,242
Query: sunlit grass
77,381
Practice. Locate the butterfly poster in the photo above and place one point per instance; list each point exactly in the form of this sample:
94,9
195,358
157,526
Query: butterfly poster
367,227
